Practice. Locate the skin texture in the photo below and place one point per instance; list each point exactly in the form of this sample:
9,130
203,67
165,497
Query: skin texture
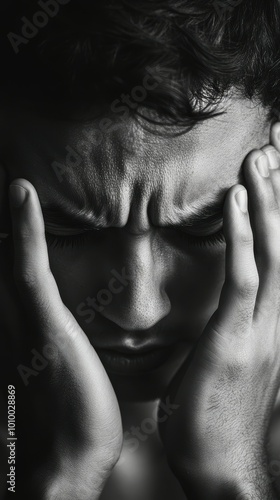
136,182
230,384
143,182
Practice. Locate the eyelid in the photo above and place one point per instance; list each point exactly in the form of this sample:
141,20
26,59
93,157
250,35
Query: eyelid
216,228
61,232
64,232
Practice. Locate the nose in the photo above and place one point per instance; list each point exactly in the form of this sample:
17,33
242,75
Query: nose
140,300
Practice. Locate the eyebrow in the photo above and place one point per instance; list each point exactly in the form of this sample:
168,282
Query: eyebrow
197,217
67,217
200,217
210,214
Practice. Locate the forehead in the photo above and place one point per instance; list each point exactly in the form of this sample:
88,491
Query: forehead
112,163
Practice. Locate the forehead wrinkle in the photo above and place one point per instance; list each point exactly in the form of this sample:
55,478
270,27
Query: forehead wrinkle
211,207
112,174
67,216
109,187
183,216
123,177
124,190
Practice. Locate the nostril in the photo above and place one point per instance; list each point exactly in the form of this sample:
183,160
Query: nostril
135,315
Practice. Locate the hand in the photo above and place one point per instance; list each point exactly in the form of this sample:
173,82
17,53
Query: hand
70,411
216,440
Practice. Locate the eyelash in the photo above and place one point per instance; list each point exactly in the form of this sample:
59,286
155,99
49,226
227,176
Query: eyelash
214,239
70,241
77,240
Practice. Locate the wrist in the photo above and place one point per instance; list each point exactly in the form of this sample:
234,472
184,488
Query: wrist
230,490
70,478
250,483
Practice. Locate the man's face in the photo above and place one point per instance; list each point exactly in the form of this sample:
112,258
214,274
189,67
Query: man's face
147,273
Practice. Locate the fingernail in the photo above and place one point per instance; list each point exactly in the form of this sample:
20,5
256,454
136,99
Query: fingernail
262,166
273,160
18,195
242,200
278,133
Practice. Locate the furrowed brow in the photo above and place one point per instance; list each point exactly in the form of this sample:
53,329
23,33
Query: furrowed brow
201,217
198,217
210,214
70,218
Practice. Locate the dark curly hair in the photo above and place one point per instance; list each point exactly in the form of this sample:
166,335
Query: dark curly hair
197,51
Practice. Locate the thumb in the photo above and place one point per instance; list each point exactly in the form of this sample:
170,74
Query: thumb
238,295
86,379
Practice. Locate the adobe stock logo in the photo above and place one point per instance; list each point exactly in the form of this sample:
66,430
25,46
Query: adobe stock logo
104,296
40,19
136,435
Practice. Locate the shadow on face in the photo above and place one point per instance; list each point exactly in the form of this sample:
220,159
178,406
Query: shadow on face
134,222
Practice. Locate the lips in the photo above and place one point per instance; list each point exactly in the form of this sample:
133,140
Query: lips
129,361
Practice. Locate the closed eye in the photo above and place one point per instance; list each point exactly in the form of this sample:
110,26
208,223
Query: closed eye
182,237
71,241
81,239
205,240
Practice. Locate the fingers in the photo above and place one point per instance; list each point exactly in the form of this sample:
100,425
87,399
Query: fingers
32,273
259,168
238,295
274,171
251,288
275,145
275,135
86,387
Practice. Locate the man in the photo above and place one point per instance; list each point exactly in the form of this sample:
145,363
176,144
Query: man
135,250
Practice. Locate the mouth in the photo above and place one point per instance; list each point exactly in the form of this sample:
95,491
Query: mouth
129,361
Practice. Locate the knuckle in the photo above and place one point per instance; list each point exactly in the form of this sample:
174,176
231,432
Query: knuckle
246,239
239,365
250,159
266,149
273,155
274,210
245,315
248,282
268,201
246,295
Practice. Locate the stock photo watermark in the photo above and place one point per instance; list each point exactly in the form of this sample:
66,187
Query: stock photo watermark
136,435
72,161
11,439
50,351
31,27
121,109
105,296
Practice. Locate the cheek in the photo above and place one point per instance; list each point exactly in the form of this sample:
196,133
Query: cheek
83,272
76,276
192,282
196,286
